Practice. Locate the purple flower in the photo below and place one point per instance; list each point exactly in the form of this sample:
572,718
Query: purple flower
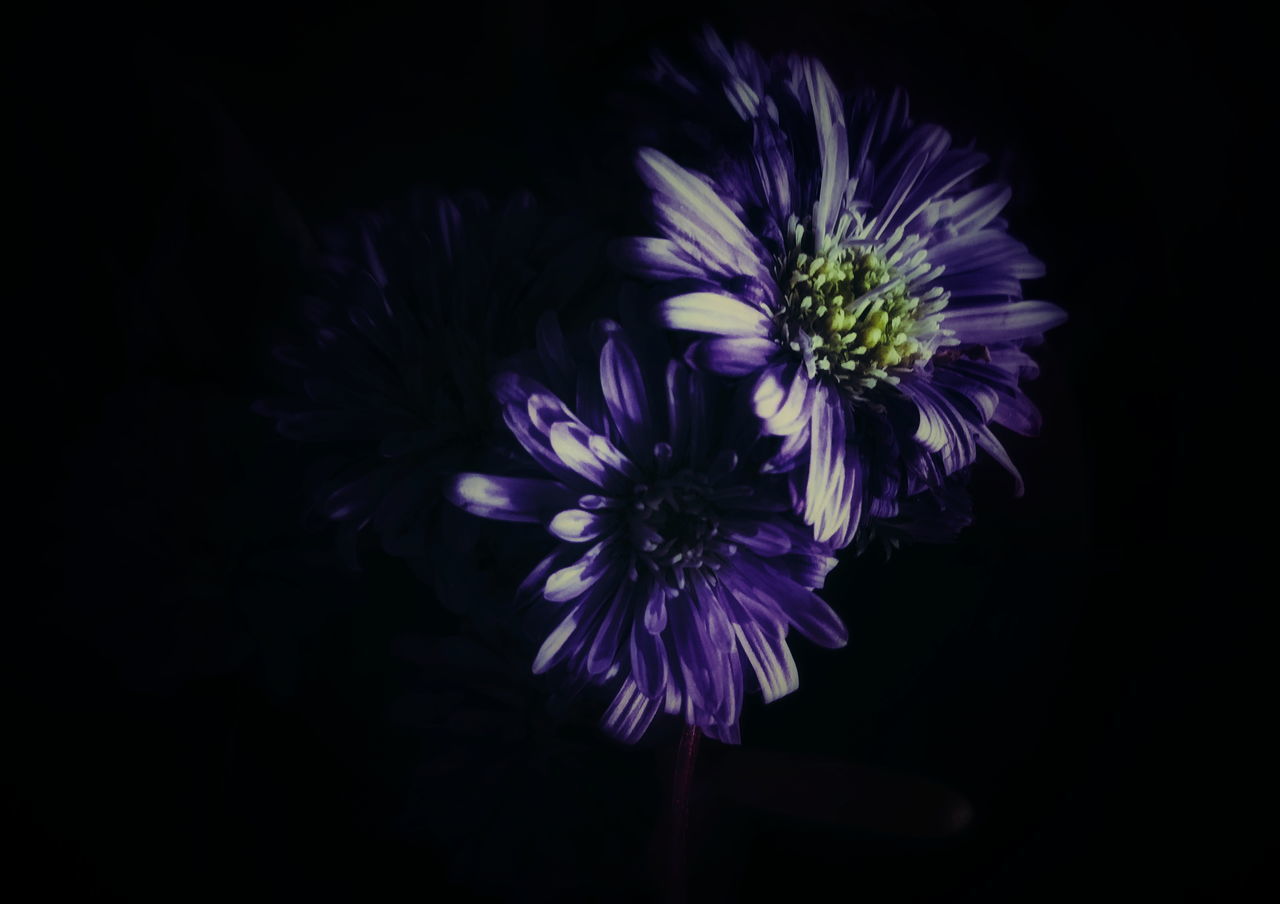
415,305
844,261
678,566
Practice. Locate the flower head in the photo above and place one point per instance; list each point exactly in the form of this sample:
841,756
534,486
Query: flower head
414,306
678,566
845,261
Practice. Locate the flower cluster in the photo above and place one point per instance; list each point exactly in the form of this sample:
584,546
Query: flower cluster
824,327
678,560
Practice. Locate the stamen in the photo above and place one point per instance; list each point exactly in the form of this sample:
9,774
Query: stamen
850,311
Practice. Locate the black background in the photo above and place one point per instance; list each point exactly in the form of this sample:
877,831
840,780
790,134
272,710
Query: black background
208,704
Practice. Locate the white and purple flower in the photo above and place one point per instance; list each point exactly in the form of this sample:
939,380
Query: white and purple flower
843,260
679,568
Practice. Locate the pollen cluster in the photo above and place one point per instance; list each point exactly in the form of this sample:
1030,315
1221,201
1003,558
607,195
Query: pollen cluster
849,313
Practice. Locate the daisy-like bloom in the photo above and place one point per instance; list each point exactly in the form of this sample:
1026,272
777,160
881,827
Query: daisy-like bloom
842,259
415,305
678,567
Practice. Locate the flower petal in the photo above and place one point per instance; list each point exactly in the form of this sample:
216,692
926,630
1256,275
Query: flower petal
630,713
648,658
625,396
983,324
578,526
770,391
765,646
614,624
993,447
710,312
695,217
572,445
732,356
833,143
653,258
572,581
761,588
824,490
795,409
507,498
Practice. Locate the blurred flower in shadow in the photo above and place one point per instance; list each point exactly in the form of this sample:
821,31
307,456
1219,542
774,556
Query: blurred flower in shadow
410,311
851,267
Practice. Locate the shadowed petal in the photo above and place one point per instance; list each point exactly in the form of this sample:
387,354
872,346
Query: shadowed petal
1002,322
1018,413
696,218
624,395
507,498
630,713
653,258
993,447
731,356
767,591
765,646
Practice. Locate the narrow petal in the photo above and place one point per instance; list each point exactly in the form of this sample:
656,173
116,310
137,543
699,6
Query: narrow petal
614,625
709,312
625,396
535,443
648,654
802,608
552,649
1019,414
993,447
796,408
984,324
979,207
572,581
507,498
765,646
652,258
733,356
833,144
766,539
572,445
696,218
567,639
770,391
823,492
578,526
630,713
850,502
942,429
986,249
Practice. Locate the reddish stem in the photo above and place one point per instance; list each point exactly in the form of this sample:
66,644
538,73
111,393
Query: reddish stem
682,782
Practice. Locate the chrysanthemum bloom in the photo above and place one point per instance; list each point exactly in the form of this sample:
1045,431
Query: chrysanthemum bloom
678,565
842,259
415,305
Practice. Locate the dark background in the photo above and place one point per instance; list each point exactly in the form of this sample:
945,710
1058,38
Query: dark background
208,704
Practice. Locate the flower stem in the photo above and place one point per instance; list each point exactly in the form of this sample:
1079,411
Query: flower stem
682,781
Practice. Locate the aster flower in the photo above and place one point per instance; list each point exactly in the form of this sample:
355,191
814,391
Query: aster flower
413,307
847,264
678,566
